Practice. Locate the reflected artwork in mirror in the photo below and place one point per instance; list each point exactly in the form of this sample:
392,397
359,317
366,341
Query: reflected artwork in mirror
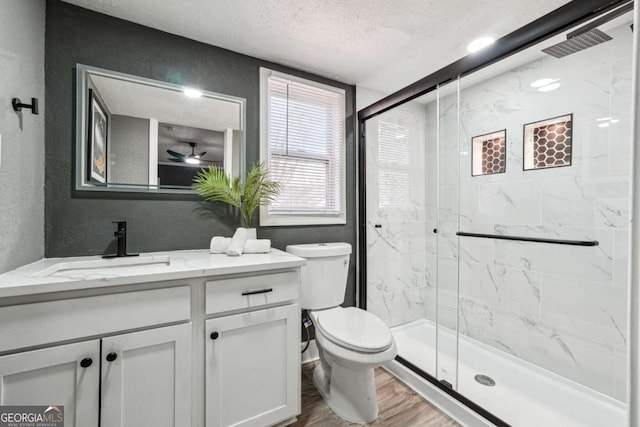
97,142
142,135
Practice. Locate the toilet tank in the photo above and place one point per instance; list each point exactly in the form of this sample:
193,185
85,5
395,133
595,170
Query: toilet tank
324,278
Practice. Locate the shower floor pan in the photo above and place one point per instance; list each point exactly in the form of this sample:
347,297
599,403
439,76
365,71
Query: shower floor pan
524,395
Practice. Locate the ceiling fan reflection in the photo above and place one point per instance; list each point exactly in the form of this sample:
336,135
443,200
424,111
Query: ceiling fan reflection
193,158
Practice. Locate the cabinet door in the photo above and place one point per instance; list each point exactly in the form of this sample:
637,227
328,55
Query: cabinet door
146,378
66,375
253,368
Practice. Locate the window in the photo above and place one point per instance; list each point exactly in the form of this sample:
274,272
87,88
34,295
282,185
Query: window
303,145
393,163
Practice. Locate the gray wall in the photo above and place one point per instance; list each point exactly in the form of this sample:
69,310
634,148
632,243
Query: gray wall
79,223
129,150
22,147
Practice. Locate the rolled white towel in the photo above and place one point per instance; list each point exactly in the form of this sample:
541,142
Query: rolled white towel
257,246
219,244
237,242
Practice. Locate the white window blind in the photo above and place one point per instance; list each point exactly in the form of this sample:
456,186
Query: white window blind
305,148
394,164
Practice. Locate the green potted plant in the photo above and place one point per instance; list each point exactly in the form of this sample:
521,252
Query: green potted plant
214,185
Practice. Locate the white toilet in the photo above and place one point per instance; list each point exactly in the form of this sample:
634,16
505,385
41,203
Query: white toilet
351,342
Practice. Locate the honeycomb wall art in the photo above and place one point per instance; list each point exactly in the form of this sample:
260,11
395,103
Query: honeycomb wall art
489,153
548,143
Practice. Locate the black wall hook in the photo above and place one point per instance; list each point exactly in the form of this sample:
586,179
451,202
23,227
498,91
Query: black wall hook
18,105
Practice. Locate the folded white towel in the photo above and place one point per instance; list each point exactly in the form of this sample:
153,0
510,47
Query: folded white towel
237,242
219,244
257,246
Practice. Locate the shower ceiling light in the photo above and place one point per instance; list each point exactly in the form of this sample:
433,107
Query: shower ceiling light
549,87
480,43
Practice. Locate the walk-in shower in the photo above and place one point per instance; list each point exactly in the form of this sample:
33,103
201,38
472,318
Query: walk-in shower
496,228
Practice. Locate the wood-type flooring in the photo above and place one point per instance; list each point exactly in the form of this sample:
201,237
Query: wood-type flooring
399,406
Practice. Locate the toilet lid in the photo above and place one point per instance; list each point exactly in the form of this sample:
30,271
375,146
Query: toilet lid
354,328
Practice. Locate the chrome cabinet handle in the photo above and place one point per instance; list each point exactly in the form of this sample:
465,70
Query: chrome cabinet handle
262,291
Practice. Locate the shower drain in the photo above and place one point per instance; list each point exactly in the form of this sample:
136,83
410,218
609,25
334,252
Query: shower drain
485,380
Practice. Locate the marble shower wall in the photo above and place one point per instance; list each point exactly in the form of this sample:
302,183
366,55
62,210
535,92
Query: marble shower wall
560,307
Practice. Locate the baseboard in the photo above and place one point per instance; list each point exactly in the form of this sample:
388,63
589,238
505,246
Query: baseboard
438,398
311,354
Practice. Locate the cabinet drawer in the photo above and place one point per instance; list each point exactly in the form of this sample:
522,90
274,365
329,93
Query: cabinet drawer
252,291
52,321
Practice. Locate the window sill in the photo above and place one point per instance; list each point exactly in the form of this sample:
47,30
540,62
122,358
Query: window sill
284,220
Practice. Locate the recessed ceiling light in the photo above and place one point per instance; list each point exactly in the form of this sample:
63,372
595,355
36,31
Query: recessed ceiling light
615,120
549,88
541,82
480,43
604,125
604,119
192,93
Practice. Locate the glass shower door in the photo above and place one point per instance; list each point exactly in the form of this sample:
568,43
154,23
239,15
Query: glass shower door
401,287
445,195
532,146
544,154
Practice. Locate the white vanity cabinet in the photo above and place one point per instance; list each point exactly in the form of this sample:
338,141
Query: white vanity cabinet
146,378
67,375
140,378
192,340
252,360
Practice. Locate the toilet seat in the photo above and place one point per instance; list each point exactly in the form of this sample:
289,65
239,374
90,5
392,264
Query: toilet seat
354,329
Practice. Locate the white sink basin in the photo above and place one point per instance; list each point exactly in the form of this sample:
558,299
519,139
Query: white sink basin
103,267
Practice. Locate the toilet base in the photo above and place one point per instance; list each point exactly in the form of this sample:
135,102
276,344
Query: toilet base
350,393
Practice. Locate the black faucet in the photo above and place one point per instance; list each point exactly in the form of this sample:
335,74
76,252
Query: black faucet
121,234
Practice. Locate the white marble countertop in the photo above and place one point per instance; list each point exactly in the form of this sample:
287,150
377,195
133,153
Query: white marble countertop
41,276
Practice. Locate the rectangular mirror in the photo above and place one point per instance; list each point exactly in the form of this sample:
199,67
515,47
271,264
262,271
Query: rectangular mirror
142,135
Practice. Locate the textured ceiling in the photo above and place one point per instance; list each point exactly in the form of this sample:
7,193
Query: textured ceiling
379,44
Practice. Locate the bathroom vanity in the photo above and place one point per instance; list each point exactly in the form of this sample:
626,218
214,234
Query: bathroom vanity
165,339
